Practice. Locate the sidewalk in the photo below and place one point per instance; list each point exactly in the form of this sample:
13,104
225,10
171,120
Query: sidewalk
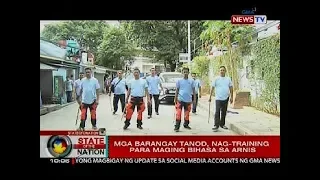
47,108
248,121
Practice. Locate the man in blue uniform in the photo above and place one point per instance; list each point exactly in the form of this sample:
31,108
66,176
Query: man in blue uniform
197,85
69,88
183,99
153,86
137,89
77,88
89,90
119,90
223,90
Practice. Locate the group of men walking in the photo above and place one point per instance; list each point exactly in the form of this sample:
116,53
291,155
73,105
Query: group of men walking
134,93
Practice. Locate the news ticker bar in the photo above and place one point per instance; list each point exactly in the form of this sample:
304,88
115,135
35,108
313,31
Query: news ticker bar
75,146
74,161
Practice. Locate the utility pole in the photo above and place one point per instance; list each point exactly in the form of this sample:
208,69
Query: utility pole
189,46
194,46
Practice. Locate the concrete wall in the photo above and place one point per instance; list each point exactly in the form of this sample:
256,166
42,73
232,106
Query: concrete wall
61,72
40,100
71,71
245,83
99,77
253,86
46,83
211,72
144,64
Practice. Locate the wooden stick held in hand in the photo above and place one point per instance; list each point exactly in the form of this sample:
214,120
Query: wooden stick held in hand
110,103
123,113
77,116
209,112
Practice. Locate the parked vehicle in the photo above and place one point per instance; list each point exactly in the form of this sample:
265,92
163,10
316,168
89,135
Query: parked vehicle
168,80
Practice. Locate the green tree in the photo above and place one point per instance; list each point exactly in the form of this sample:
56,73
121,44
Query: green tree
201,68
168,38
87,33
222,34
266,67
114,49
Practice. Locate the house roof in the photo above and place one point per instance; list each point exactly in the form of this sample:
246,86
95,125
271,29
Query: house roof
51,50
102,69
46,67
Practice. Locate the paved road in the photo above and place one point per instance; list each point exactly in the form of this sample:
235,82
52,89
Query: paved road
64,119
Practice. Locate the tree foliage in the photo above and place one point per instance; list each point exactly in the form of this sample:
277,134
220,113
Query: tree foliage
223,34
108,44
264,55
168,38
201,68
114,49
266,62
163,40
87,33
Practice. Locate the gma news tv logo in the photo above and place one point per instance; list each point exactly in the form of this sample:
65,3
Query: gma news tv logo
249,19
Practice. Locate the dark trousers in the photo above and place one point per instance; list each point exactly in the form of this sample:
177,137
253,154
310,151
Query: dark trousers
84,108
69,96
116,98
78,99
107,89
156,103
194,105
221,107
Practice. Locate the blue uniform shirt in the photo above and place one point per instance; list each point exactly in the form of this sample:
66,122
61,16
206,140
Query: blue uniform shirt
186,87
120,88
138,87
222,85
153,85
89,87
197,85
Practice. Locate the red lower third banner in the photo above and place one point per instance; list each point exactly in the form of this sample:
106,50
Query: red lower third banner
193,146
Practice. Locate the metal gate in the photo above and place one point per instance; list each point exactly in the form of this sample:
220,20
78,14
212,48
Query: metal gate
59,90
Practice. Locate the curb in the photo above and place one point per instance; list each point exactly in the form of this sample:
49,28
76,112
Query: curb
43,111
235,127
47,110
